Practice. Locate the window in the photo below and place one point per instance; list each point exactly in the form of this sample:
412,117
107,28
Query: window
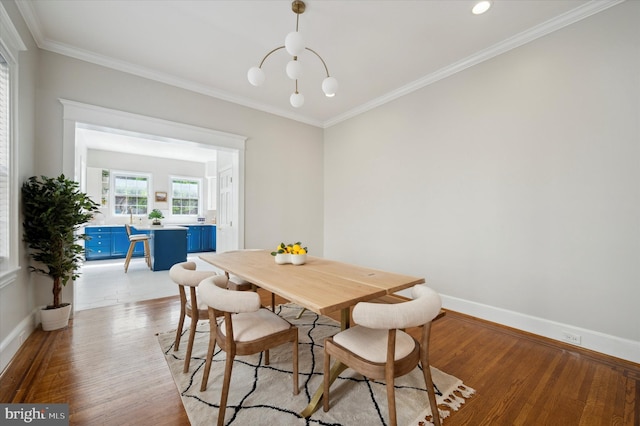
131,193
185,196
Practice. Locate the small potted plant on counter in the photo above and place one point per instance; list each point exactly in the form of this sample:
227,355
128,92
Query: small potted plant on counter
156,215
54,209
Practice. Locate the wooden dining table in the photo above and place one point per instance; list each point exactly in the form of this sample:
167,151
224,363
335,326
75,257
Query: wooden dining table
320,285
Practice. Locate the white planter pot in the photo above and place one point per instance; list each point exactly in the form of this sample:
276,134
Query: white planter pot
54,319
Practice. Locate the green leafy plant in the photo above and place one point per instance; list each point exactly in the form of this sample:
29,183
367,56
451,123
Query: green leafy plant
54,209
156,215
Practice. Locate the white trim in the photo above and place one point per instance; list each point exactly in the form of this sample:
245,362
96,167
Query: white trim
10,46
590,339
8,277
12,343
9,35
100,116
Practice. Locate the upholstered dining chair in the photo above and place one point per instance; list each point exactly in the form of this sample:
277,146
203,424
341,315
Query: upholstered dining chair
378,348
185,275
246,329
133,240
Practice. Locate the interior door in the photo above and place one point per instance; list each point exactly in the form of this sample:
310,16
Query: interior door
227,230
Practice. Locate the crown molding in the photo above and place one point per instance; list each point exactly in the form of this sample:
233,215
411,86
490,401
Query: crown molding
559,22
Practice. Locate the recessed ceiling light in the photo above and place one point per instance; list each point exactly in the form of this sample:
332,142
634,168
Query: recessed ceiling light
481,7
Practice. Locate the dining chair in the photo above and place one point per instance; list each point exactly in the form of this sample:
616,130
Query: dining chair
246,329
133,240
185,275
378,348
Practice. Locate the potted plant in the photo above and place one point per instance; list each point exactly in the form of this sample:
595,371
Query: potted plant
54,209
156,215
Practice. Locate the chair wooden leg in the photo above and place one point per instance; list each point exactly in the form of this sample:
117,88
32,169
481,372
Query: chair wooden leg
327,381
147,253
176,344
225,387
391,401
296,390
129,254
195,317
210,350
426,372
192,335
431,394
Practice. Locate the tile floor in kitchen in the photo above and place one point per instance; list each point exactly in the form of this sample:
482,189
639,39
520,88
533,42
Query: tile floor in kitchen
104,282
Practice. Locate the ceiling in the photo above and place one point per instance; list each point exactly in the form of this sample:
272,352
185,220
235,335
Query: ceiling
377,50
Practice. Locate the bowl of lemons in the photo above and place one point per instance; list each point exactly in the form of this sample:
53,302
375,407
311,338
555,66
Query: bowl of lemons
294,254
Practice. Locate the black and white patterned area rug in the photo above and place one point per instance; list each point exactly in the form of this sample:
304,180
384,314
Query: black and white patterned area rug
263,395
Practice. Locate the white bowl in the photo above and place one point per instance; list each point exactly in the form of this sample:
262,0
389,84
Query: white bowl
282,258
298,259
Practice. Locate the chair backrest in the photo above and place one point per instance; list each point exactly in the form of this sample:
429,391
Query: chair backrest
128,229
227,300
424,307
185,274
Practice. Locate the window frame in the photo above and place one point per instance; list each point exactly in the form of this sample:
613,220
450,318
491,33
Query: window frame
10,46
114,174
199,181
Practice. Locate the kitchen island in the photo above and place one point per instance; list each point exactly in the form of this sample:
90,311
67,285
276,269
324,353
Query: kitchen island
168,245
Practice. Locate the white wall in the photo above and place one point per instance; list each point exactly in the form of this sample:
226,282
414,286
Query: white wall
513,187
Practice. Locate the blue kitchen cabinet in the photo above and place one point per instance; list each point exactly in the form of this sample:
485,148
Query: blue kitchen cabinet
194,239
110,242
201,238
210,241
98,246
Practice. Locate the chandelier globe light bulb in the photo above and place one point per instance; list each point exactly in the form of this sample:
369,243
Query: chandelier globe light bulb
294,43
256,76
330,86
294,69
296,99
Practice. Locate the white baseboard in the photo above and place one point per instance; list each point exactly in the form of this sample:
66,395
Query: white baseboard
10,345
593,340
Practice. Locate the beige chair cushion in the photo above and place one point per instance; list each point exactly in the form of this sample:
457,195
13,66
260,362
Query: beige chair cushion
255,325
371,344
227,300
185,273
138,237
422,309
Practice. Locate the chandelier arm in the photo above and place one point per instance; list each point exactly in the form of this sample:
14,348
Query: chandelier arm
268,54
319,57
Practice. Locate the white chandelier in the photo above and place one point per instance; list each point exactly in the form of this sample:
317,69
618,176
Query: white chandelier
294,45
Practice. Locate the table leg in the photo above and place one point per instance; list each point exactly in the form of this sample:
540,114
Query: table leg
314,404
336,369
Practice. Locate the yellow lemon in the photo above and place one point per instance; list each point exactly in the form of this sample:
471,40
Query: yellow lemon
302,251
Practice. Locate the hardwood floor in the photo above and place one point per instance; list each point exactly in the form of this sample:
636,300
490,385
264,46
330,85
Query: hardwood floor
108,366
